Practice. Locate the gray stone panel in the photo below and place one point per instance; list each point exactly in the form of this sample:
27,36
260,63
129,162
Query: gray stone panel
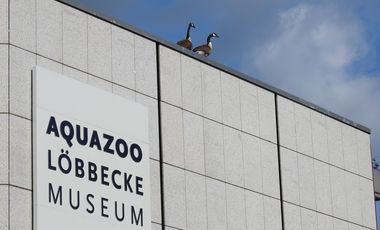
216,205
155,191
335,142
249,108
21,65
254,210
75,37
99,48
338,192
175,196
272,213
231,100
270,170
99,83
193,142
364,154
340,224
131,96
4,21
23,24
287,123
145,66
235,208
354,227
20,156
306,181
4,78
233,155
172,135
292,217
191,85
211,86
214,154
253,178
49,64
4,153
324,222
308,219
323,187
156,226
354,203
303,130
267,115
75,74
290,178
319,131
49,29
20,209
367,203
170,76
4,201
350,149
123,58
196,211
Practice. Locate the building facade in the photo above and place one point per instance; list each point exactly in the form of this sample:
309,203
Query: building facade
226,151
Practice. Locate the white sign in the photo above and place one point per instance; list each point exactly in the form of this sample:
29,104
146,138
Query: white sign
90,157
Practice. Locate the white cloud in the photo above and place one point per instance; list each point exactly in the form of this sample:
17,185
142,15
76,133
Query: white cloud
311,54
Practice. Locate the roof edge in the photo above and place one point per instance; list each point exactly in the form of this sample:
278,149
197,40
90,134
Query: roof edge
217,65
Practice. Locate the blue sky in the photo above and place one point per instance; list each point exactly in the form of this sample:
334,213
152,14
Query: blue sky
324,51
327,52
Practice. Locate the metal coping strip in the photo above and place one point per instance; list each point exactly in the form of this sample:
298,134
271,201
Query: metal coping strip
214,64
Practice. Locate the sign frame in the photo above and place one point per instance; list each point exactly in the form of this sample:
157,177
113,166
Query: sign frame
127,122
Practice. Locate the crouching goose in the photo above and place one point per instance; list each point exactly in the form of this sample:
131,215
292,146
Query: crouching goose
207,48
186,43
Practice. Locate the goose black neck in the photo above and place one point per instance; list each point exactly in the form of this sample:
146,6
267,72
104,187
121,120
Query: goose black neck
209,38
188,32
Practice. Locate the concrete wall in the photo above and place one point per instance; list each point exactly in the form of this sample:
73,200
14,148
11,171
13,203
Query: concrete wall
219,151
219,148
62,39
326,171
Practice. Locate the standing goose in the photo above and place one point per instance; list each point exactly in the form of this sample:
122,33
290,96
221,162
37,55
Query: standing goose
207,48
186,43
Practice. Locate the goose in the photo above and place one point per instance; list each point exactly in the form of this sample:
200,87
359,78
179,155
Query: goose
186,43
206,48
